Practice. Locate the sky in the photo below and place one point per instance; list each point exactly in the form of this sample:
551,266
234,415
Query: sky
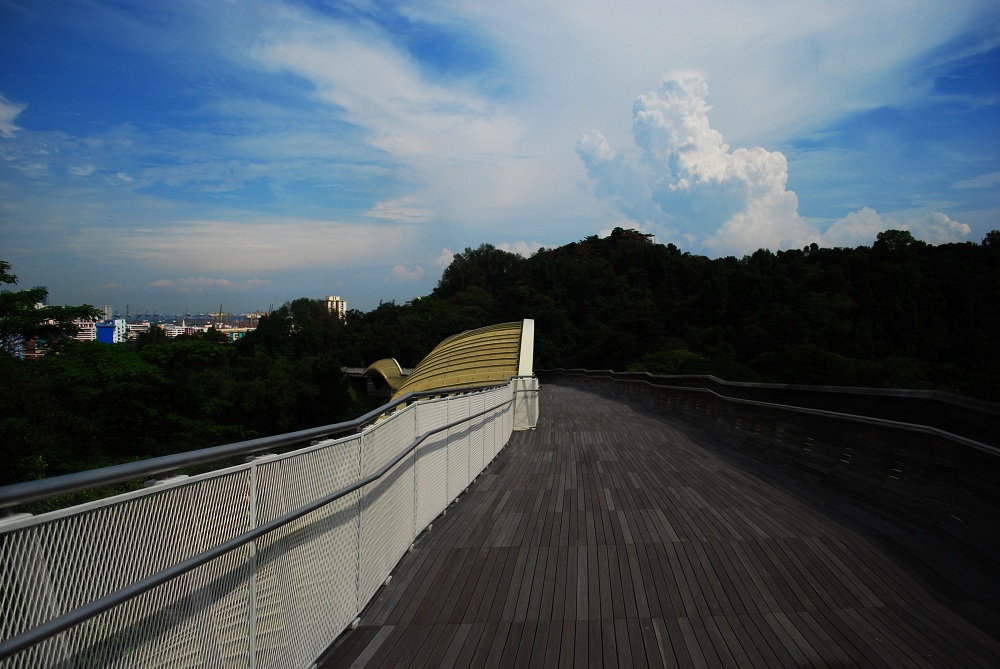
177,156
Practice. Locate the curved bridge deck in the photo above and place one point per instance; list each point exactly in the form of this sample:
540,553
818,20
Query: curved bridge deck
610,537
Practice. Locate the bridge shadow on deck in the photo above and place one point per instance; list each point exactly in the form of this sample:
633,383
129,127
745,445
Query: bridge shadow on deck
611,537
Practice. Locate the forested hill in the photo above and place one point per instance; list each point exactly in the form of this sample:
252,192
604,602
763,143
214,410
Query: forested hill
900,313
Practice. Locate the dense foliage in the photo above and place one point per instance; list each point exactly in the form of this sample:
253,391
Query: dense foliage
900,313
91,404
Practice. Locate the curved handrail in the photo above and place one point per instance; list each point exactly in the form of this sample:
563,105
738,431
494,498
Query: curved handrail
911,427
958,415
36,635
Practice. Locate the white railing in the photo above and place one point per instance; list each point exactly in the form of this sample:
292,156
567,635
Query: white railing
258,565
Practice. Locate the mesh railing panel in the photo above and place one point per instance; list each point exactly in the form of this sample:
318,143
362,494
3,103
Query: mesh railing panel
431,482
458,447
477,440
63,561
387,525
307,585
277,601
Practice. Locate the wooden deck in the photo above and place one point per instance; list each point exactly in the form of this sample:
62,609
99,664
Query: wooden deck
610,537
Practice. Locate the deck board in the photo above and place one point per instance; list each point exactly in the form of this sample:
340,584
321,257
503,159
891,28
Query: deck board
612,537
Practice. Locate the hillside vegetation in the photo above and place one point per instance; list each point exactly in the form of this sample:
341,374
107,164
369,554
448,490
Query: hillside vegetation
900,313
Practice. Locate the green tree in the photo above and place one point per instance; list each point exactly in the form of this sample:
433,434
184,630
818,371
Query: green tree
487,267
22,319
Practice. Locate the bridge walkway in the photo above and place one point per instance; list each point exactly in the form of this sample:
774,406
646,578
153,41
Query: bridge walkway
611,537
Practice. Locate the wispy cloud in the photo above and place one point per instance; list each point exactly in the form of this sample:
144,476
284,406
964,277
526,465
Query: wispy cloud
267,245
405,209
9,111
991,180
202,284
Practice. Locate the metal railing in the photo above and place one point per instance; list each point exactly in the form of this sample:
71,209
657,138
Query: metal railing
261,564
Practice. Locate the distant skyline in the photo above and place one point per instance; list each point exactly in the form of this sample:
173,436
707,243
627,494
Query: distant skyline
175,156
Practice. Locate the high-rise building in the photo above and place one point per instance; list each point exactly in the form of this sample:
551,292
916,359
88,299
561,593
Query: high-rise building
337,306
112,331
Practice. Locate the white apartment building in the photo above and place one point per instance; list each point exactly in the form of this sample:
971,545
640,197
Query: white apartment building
337,306
86,330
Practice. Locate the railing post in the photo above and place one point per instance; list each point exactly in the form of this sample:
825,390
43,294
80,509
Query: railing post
360,525
254,521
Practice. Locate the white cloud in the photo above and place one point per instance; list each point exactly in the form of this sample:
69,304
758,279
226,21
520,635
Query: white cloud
82,170
404,209
460,147
688,181
983,181
526,249
120,178
261,245
862,227
401,273
9,111
444,259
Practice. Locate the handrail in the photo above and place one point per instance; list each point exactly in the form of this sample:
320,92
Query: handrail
31,491
52,627
970,418
938,395
870,420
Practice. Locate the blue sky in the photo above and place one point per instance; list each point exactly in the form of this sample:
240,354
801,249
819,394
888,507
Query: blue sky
175,156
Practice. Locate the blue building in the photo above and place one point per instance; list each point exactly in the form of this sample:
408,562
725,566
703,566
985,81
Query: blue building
112,331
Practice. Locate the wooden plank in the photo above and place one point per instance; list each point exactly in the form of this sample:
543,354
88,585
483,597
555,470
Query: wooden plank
464,604
494,599
463,637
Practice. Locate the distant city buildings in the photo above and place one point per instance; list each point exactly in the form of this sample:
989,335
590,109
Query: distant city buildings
112,329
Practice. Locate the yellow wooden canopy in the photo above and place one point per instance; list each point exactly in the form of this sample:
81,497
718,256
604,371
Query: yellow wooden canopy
473,358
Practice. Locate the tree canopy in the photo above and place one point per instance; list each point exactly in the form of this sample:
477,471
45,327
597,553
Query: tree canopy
899,313
24,318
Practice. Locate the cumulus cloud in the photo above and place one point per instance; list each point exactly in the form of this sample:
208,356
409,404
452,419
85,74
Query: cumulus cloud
9,111
863,226
444,259
686,182
526,249
691,182
401,273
